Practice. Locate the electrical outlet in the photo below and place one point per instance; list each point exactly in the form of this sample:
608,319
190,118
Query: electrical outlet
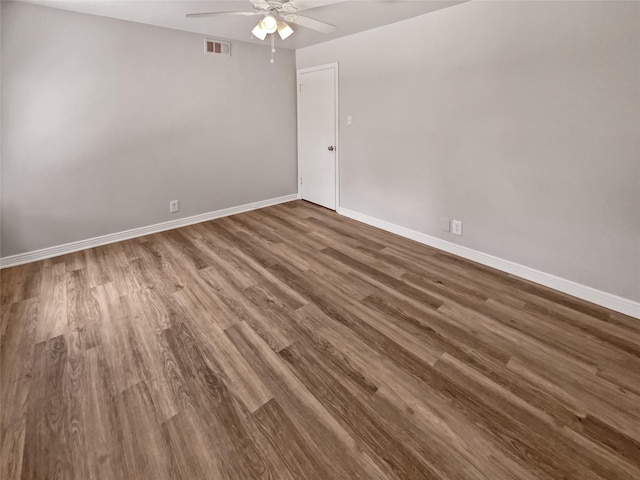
457,227
174,206
349,120
445,225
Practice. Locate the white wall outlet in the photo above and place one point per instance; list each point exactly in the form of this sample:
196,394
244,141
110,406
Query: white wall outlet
445,225
349,120
174,206
456,227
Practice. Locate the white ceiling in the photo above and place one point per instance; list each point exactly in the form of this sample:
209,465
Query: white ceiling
350,16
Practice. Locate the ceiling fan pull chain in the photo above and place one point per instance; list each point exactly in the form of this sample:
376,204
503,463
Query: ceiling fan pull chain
273,47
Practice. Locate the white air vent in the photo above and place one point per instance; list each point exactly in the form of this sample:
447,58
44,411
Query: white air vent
217,47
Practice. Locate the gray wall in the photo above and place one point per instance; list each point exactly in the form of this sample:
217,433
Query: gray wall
0,128
105,121
522,119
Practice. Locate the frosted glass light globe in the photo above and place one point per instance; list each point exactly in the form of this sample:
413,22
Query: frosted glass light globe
269,24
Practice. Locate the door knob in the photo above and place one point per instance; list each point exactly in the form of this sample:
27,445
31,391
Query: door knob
331,148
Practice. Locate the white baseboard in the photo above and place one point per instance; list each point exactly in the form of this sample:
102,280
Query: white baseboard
49,252
614,302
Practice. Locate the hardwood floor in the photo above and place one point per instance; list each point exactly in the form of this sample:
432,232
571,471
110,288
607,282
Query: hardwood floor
292,343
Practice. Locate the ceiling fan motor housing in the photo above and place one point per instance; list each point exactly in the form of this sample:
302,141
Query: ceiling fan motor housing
273,6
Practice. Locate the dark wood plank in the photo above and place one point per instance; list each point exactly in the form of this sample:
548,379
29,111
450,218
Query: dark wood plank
47,431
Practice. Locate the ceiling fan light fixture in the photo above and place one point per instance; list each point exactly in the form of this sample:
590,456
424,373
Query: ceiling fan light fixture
284,30
269,23
259,32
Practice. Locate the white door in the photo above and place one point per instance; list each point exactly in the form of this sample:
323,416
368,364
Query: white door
317,149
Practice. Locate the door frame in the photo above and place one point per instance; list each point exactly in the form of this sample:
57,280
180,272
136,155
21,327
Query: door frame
299,73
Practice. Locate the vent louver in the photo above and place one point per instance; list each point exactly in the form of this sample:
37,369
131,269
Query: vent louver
217,47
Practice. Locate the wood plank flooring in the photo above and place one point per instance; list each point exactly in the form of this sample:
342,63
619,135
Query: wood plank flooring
292,343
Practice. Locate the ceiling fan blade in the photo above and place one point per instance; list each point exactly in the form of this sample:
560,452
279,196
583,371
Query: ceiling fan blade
219,14
306,4
307,22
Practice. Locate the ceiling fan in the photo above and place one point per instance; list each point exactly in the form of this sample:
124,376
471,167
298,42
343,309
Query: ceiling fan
276,16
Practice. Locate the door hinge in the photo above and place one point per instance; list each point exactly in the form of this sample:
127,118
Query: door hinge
300,88
300,180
